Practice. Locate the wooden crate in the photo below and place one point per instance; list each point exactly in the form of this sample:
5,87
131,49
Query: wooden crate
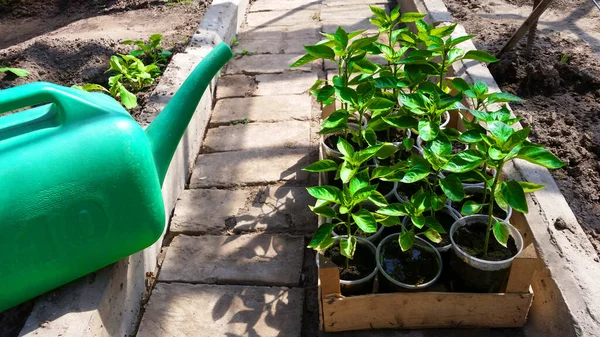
413,310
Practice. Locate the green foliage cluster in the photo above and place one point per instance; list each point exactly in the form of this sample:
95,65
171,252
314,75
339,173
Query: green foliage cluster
134,72
411,91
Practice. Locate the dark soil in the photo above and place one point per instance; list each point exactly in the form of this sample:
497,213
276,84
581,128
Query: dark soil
359,267
415,266
396,135
331,142
561,85
70,42
471,239
478,198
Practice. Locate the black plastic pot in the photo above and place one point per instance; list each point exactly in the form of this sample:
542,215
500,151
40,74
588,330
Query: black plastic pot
364,285
475,275
413,270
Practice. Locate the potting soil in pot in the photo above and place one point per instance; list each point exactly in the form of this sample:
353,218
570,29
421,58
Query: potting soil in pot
446,220
361,266
415,266
466,278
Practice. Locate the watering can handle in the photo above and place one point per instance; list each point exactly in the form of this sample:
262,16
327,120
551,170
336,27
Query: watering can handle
34,94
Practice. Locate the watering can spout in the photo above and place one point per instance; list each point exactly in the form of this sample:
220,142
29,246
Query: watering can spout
165,132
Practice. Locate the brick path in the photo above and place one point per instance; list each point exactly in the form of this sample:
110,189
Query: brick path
236,264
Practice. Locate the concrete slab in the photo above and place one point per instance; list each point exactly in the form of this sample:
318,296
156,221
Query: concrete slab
278,5
202,211
199,310
237,168
267,64
261,218
255,136
357,11
254,259
293,202
236,86
262,109
282,18
284,84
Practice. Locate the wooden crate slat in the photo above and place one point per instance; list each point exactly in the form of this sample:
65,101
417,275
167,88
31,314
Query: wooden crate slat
522,270
425,310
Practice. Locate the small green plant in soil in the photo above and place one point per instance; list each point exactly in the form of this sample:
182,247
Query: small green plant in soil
15,71
151,51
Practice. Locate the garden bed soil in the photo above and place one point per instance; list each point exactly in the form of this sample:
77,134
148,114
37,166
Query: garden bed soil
70,42
561,85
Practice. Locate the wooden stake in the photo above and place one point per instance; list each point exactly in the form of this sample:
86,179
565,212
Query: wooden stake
533,17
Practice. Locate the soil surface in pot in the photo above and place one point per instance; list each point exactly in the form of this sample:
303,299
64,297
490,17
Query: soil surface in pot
395,135
471,239
560,83
359,267
478,198
415,266
70,42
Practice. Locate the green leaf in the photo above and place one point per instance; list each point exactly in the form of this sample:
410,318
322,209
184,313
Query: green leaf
411,17
416,172
16,71
325,211
324,165
325,244
387,82
304,60
406,240
347,171
470,207
366,154
516,139
501,233
540,156
379,103
378,199
370,136
470,136
503,97
530,187
321,233
460,39
394,209
128,99
480,88
321,51
418,221
402,122
432,222
365,221
438,202
432,235
325,93
464,161
428,130
329,193
348,247
338,118
362,43
496,153
344,147
452,187
341,37
346,95
480,55
500,131
460,84
514,195
360,180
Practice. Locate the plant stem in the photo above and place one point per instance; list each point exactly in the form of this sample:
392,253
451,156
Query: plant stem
485,185
491,209
442,66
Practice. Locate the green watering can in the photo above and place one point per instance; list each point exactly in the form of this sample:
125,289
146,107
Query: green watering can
80,180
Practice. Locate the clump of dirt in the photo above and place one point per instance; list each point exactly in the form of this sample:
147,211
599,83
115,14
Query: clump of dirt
70,42
561,85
